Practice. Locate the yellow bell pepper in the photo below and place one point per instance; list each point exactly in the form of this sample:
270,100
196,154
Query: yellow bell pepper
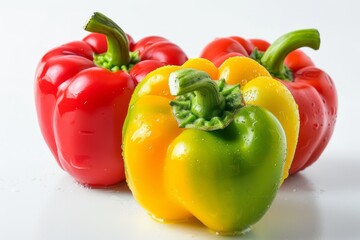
155,148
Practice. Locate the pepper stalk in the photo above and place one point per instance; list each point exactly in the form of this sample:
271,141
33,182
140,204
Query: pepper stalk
201,102
118,55
273,58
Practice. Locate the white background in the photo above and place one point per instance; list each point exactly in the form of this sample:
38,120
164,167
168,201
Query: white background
40,201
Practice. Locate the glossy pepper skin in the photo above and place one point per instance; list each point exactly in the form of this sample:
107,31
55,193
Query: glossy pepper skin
177,168
82,91
312,88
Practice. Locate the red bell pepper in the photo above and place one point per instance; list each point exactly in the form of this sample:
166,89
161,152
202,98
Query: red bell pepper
312,88
82,92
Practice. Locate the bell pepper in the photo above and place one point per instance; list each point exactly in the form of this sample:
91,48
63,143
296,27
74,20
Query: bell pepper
191,147
82,91
313,89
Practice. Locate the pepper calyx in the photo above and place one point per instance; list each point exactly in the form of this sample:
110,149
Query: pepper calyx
102,60
201,102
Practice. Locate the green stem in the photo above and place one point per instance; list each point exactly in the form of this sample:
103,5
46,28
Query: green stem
202,103
208,102
117,54
273,58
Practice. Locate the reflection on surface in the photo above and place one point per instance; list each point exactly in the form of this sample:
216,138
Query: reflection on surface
294,214
76,212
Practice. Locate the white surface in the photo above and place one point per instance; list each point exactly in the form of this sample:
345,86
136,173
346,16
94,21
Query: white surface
40,201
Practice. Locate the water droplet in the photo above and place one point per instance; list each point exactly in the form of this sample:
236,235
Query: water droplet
332,111
304,118
250,95
86,132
